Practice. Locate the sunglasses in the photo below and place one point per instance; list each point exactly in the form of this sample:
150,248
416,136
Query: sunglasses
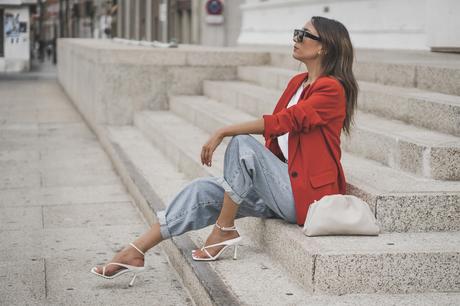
299,34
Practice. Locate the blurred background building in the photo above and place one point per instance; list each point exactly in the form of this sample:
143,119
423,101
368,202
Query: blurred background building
30,28
16,40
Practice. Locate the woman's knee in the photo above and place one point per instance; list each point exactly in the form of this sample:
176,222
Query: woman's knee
237,140
239,145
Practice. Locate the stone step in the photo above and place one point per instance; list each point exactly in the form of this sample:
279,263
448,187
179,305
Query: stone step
432,110
225,282
432,71
412,149
401,202
412,262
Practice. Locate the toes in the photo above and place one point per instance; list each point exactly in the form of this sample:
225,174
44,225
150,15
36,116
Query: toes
199,254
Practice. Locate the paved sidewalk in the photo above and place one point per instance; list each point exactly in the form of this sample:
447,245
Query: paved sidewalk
63,209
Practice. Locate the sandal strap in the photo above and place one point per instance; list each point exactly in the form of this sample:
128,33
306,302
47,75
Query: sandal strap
226,229
207,253
132,244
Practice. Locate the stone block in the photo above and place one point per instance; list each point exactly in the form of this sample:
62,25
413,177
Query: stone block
90,215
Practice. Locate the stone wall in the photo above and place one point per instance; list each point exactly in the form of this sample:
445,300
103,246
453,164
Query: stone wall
109,81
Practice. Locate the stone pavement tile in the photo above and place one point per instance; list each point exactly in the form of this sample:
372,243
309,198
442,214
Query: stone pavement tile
67,165
16,144
19,197
70,145
90,215
72,150
13,179
79,178
69,282
18,130
83,194
26,156
21,245
95,159
74,130
22,282
58,116
18,218
26,116
65,195
22,166
96,243
55,103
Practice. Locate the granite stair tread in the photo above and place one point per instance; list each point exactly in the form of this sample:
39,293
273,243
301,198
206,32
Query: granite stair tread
400,145
420,107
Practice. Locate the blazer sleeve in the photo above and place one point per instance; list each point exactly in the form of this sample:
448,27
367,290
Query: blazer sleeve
318,109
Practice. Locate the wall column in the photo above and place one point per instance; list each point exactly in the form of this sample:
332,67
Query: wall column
120,8
148,20
137,19
127,19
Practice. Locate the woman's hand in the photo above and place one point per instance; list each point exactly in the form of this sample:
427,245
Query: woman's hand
209,147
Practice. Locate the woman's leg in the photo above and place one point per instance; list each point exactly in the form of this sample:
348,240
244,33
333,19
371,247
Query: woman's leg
256,183
199,204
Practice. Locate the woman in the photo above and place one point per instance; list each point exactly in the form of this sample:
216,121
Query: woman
301,165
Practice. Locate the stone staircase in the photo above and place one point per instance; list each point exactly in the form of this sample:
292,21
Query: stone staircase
403,158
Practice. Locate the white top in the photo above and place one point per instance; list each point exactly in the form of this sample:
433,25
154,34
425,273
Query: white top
283,139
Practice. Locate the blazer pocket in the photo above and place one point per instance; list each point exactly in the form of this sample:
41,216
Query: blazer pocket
323,178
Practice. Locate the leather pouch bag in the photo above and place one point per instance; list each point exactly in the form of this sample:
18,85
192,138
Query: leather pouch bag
340,215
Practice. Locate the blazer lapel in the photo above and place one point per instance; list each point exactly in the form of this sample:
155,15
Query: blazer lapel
289,93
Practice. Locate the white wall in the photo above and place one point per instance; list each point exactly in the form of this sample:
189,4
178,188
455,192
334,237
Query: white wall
386,24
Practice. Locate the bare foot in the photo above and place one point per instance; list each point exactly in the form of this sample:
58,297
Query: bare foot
216,236
128,255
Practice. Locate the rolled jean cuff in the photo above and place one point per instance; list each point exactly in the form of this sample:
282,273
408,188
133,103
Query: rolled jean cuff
164,230
228,189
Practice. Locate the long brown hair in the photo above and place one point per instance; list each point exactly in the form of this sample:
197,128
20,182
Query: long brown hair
337,61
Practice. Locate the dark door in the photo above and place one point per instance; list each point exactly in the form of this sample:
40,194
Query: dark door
2,34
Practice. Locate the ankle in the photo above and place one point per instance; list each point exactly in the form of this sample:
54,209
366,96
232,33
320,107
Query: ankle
225,223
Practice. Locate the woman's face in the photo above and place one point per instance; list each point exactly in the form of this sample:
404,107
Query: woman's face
307,50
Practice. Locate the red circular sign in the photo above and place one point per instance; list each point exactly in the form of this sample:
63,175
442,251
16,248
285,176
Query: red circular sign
214,7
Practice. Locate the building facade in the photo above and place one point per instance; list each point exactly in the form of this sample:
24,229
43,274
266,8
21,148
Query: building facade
16,41
380,24
205,22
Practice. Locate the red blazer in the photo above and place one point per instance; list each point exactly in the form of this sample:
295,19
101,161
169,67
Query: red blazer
314,157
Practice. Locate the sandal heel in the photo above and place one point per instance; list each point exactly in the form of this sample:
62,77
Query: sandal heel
132,281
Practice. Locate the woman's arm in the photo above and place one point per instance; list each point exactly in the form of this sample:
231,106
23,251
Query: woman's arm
250,127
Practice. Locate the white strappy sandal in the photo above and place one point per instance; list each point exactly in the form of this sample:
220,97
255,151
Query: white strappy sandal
129,268
226,244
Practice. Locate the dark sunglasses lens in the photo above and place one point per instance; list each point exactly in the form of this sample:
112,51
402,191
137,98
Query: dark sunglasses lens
298,36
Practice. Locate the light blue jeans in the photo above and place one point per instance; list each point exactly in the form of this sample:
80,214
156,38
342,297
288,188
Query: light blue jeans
254,178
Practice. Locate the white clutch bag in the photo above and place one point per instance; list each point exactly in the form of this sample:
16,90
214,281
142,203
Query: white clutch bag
340,214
